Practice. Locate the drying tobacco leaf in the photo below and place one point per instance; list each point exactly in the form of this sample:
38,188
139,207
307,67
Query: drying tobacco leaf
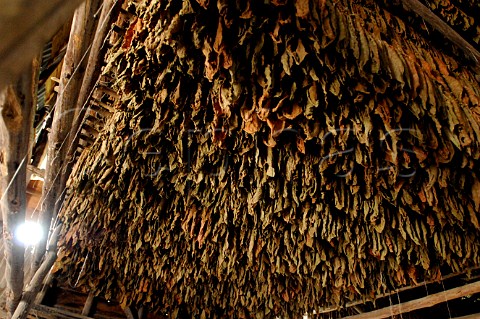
272,158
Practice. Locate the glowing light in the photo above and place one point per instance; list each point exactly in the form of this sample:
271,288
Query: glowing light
29,233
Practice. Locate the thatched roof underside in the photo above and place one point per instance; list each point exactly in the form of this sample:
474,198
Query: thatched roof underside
269,159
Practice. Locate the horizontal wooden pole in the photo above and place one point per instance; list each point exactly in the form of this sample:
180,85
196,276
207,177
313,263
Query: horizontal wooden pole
35,170
420,303
65,314
474,316
103,105
58,313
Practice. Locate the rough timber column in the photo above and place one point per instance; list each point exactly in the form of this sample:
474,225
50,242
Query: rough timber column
17,105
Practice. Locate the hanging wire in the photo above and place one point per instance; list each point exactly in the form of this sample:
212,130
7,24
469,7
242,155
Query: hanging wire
400,305
446,301
55,223
13,178
426,28
100,7
384,285
81,270
391,306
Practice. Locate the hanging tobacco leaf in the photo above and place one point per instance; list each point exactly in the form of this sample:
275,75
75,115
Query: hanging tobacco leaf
272,158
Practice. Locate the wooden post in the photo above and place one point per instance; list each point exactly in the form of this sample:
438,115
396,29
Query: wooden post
128,312
36,283
25,26
87,308
142,313
420,303
81,35
17,108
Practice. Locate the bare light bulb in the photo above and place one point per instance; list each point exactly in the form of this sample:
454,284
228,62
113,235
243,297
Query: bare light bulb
29,233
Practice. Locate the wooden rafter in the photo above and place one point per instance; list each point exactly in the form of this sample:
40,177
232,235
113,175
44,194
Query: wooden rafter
17,105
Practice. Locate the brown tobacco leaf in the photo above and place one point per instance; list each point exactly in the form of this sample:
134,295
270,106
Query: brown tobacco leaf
300,52
276,127
251,122
134,27
476,195
301,145
302,9
203,3
247,12
218,44
293,111
279,2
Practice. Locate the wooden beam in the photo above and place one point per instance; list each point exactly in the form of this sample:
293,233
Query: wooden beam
47,283
38,151
90,130
25,26
17,110
34,287
58,313
100,110
109,91
103,105
81,35
473,316
420,303
442,27
35,170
